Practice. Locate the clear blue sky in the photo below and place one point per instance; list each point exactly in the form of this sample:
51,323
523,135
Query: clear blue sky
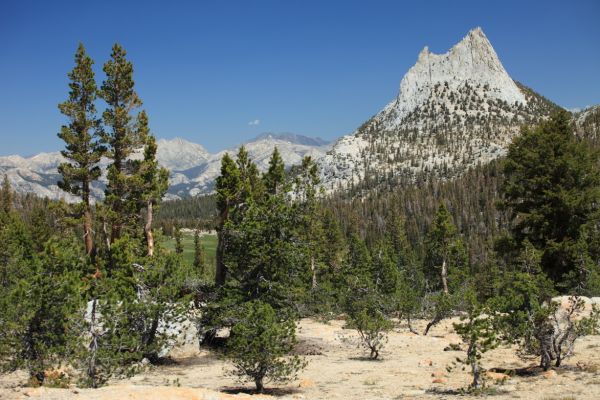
207,69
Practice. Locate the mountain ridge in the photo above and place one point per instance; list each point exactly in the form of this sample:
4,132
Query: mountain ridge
193,169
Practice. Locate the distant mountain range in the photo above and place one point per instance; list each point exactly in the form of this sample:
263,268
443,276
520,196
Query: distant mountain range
193,168
453,111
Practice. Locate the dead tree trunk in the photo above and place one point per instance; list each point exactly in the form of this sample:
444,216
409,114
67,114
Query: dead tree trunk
314,272
148,229
445,276
88,237
93,347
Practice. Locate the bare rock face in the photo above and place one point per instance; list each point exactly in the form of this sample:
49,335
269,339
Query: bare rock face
472,61
453,111
566,303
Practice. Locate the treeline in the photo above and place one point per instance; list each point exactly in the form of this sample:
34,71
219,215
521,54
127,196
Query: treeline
192,212
471,199
88,284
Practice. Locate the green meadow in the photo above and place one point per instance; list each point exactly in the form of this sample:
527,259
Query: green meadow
209,247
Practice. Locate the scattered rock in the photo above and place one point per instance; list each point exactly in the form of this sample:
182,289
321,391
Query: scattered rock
306,383
439,380
428,362
549,374
453,347
497,376
439,374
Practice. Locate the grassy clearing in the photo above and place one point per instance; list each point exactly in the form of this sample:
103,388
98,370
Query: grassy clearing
209,245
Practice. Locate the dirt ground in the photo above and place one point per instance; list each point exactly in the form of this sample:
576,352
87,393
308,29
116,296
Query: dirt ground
411,367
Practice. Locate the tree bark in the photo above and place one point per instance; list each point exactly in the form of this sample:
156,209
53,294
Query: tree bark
445,276
260,388
148,229
93,347
410,327
433,322
106,234
88,237
474,366
220,272
314,272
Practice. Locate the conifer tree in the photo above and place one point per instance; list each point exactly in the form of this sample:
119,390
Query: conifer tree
6,195
36,307
178,242
479,332
410,288
227,187
444,247
552,191
264,254
250,184
311,227
152,180
83,150
260,345
356,275
199,264
274,178
122,138
446,264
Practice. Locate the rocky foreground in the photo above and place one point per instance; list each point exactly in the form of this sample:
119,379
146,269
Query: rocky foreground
411,366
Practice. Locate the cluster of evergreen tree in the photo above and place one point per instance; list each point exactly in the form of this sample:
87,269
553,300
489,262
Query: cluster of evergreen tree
282,247
198,212
86,284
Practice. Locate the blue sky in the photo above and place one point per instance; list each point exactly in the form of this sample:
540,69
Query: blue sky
221,72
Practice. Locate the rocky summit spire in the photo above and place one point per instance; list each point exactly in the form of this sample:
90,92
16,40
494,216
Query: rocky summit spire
454,111
472,60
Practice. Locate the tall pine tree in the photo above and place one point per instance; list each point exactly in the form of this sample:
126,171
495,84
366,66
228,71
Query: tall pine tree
227,187
83,150
275,175
152,180
122,138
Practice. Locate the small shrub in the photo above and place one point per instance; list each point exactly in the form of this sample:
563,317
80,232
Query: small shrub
259,344
372,327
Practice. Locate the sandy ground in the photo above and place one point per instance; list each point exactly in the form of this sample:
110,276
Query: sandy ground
411,366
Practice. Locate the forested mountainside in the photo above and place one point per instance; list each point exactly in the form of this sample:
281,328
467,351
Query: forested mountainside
471,199
371,206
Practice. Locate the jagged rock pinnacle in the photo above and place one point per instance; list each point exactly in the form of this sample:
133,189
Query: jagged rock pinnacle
472,60
453,111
